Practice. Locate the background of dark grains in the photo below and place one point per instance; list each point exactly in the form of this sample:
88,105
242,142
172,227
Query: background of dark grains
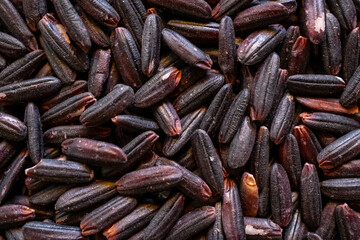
179,119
